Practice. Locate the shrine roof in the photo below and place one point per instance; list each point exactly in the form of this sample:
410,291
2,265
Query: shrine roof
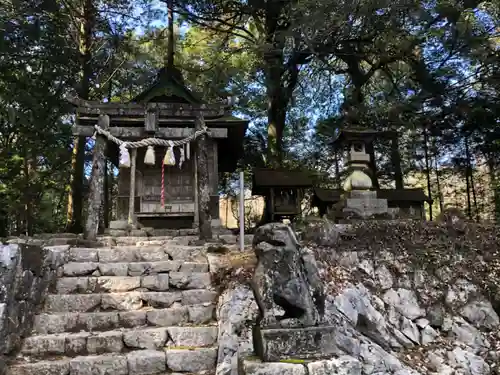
360,134
168,87
267,178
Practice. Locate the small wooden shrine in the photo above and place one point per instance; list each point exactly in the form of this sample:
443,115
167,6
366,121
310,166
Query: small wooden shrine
283,191
159,186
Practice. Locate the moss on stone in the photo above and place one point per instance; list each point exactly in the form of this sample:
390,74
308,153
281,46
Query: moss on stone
293,360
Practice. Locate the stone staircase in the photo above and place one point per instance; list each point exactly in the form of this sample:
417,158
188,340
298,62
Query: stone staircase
126,310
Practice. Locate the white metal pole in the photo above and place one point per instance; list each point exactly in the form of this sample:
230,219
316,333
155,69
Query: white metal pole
242,211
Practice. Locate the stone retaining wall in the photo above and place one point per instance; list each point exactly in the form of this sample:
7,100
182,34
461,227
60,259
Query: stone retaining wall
26,272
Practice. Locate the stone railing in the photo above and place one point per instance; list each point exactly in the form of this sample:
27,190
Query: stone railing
26,274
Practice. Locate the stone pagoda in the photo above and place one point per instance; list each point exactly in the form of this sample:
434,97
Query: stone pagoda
360,200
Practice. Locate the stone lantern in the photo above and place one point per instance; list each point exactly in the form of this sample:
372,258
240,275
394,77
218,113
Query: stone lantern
359,198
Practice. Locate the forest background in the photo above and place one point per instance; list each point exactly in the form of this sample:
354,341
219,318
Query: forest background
300,70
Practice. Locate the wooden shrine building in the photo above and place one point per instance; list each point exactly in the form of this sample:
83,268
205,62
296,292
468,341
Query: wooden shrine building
167,110
283,191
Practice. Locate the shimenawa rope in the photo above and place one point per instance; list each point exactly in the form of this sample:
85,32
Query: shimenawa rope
148,142
151,141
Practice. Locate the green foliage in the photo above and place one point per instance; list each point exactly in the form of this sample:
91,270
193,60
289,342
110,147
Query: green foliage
305,68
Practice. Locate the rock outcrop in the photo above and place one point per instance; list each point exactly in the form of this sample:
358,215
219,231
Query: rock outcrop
404,298
26,274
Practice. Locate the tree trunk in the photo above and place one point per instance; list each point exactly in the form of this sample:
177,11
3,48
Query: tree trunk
75,199
105,207
396,162
470,179
276,109
467,182
337,169
427,169
111,214
205,217
96,192
438,185
494,187
131,199
370,150
474,198
28,204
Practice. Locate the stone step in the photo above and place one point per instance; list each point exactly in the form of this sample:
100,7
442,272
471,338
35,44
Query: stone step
128,301
138,362
127,254
91,267
158,283
179,238
196,314
118,341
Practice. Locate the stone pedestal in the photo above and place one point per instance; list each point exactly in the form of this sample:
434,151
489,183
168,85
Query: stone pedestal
364,204
276,344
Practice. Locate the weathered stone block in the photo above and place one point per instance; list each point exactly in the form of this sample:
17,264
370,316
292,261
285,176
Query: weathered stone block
117,255
99,365
138,268
157,283
121,301
132,319
69,285
76,344
83,255
362,194
47,344
186,253
152,254
146,362
54,323
253,367
164,266
105,284
41,368
153,338
79,269
193,267
167,317
198,296
196,360
113,269
193,336
72,302
117,232
138,233
98,321
344,365
273,345
201,314
161,299
105,342
365,204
